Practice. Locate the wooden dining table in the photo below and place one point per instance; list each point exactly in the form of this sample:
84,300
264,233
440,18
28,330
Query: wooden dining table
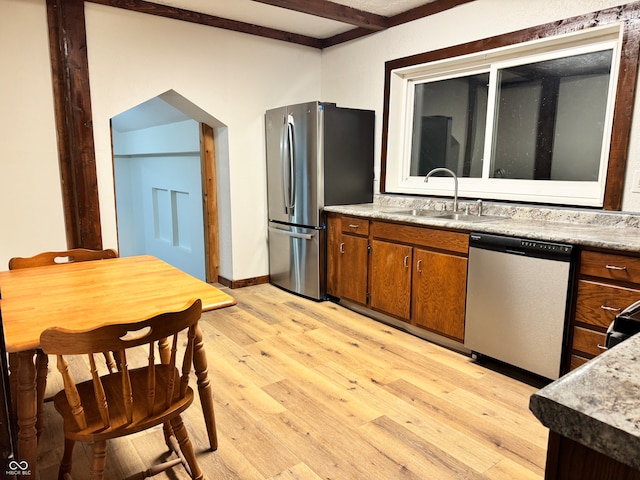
86,295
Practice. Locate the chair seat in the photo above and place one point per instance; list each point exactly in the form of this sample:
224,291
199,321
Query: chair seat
113,390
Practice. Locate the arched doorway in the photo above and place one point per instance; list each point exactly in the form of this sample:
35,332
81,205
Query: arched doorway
164,156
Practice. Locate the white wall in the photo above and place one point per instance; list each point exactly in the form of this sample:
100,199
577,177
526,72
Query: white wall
132,58
32,218
234,77
353,73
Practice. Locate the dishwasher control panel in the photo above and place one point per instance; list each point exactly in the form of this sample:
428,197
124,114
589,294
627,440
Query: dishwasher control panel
545,246
522,246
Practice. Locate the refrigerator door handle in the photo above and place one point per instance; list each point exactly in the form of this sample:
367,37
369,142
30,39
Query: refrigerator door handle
283,164
287,155
292,164
304,236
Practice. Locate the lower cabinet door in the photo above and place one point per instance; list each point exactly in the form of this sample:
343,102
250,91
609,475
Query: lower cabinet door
439,292
352,268
391,278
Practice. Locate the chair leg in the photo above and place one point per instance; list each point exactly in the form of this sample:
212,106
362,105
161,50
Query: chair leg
98,461
67,459
186,447
13,380
168,432
111,363
42,365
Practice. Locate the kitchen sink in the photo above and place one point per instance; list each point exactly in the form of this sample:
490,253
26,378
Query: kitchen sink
458,216
418,212
465,217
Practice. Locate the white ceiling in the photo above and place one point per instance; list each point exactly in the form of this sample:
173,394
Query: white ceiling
265,15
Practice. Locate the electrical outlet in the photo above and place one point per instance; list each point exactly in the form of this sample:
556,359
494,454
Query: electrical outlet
635,188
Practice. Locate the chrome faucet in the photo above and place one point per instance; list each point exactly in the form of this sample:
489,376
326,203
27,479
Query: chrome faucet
455,184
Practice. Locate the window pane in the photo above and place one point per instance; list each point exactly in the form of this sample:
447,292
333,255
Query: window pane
449,118
550,118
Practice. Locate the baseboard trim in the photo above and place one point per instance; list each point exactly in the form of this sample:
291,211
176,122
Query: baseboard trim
247,282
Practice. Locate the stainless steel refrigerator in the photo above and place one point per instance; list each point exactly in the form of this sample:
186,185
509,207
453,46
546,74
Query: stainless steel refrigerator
318,155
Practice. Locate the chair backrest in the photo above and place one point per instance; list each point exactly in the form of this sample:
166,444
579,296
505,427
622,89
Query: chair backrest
67,256
118,339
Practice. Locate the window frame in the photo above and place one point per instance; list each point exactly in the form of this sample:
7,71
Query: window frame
626,16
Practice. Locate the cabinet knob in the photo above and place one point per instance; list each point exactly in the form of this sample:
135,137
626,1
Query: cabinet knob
419,266
342,247
406,261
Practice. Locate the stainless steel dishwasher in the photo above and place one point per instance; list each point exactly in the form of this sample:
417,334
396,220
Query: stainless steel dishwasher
518,301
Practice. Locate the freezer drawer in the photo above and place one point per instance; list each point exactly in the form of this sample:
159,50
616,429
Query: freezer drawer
295,259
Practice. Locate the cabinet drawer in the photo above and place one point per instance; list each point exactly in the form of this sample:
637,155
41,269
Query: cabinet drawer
576,361
599,303
610,266
421,236
587,341
355,225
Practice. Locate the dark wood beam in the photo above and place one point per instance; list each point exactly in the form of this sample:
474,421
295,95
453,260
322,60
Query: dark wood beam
174,13
432,8
72,104
333,11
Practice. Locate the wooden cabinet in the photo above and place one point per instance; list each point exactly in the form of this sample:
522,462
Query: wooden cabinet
347,258
570,460
415,274
607,283
439,292
391,278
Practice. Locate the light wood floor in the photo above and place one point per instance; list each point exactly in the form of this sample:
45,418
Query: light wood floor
307,390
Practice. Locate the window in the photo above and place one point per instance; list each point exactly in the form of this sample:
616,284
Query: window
528,121
448,128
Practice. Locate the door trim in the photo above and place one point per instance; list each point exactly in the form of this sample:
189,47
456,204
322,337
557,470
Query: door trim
210,203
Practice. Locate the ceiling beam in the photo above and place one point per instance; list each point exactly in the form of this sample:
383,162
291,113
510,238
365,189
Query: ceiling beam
436,6
432,8
333,11
174,13
366,23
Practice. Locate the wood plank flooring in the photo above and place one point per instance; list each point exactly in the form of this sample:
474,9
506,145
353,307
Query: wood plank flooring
307,390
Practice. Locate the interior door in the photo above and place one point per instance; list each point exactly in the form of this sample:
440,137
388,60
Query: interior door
173,214
159,196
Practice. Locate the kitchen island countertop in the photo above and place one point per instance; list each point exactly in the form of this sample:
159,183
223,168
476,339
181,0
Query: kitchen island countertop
598,404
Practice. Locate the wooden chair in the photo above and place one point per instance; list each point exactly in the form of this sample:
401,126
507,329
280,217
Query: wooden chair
42,260
67,256
129,400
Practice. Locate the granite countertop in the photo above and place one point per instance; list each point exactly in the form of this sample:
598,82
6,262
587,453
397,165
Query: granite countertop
598,229
598,404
